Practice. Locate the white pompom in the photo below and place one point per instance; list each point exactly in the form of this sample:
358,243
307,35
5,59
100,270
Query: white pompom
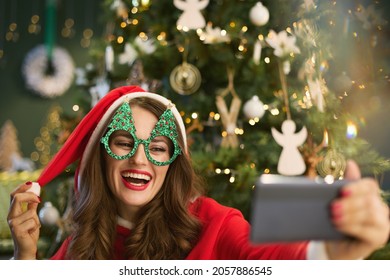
259,14
35,189
49,215
254,108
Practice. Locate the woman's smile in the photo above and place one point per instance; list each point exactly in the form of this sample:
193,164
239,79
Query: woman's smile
136,180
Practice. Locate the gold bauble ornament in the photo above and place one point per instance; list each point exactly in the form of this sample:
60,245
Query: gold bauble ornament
333,164
185,79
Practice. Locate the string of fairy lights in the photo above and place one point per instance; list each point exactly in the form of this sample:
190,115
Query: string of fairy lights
141,6
10,32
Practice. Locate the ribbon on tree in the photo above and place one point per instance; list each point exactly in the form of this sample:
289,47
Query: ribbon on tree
48,70
51,7
229,117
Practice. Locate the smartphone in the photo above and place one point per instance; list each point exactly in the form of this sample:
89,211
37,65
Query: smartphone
289,209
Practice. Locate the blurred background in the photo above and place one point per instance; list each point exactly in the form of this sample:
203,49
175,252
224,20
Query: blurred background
237,70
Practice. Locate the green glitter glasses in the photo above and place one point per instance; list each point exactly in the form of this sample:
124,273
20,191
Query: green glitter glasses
120,141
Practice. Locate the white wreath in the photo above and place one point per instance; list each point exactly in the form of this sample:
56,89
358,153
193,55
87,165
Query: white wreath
46,84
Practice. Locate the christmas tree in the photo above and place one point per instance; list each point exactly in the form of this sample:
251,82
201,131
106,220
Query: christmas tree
264,87
47,143
9,146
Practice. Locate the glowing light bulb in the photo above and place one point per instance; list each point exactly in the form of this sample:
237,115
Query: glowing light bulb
351,130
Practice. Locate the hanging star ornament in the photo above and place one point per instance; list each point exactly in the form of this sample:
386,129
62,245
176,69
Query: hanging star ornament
214,35
282,43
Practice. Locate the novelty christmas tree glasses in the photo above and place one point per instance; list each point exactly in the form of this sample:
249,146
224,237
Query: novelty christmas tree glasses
121,142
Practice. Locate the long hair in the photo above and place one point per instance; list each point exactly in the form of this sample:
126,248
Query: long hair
164,228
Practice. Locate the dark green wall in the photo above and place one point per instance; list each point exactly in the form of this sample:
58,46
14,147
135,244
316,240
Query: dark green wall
26,109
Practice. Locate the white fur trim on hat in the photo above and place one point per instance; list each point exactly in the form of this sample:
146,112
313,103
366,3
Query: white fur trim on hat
35,189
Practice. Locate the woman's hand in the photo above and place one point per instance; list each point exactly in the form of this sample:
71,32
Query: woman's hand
24,223
361,213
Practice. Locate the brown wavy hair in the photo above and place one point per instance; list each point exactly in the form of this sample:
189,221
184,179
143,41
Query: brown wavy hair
164,228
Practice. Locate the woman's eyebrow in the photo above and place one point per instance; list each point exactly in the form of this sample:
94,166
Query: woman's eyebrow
160,139
122,133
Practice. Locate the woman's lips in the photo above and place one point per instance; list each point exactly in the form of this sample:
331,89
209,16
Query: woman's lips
136,175
135,187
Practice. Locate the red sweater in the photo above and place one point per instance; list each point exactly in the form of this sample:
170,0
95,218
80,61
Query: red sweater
224,235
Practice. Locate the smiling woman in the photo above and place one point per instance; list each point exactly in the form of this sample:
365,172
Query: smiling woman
138,197
136,178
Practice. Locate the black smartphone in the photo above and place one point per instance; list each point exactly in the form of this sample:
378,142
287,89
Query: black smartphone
289,209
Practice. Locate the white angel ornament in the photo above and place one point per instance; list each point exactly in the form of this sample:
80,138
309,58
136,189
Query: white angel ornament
290,161
191,17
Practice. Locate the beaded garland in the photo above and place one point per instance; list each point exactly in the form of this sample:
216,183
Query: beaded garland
123,120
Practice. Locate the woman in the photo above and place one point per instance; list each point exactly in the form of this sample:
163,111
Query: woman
137,196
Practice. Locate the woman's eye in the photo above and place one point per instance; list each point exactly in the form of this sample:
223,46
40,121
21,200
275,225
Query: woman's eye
158,149
125,144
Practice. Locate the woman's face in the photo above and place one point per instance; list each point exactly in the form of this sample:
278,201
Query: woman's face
135,181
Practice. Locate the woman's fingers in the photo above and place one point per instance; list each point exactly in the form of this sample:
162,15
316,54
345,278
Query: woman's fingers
25,224
22,201
21,188
19,198
361,213
352,171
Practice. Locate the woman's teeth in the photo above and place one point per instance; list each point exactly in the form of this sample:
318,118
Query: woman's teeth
136,178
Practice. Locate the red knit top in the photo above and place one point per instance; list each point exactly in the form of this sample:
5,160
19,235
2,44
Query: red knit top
224,235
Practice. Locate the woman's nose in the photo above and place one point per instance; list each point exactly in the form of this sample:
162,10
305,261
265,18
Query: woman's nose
139,156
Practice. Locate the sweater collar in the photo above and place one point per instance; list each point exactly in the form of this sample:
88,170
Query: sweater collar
124,223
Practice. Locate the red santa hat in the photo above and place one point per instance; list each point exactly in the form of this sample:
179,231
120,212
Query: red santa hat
79,144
